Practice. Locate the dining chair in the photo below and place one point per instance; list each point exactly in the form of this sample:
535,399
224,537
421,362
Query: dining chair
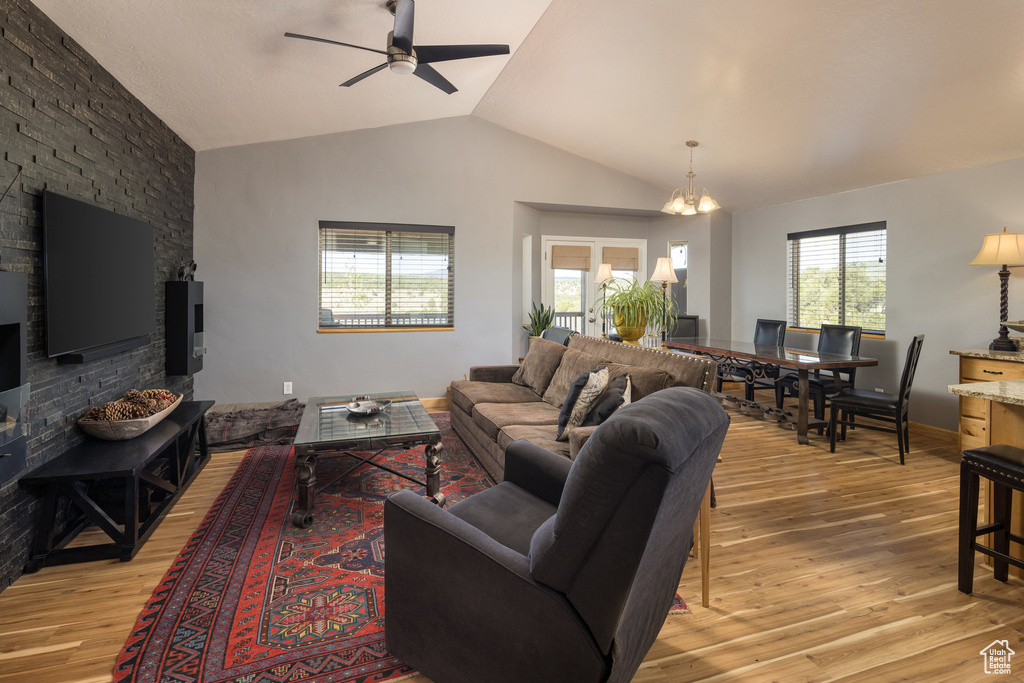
686,326
878,406
766,333
837,339
559,335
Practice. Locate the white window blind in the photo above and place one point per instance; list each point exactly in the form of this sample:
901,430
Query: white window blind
375,275
837,276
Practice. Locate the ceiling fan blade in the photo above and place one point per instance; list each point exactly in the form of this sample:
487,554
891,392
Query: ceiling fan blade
356,79
333,42
430,75
427,54
405,11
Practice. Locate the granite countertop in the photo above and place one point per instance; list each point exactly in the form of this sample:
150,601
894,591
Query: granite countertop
1011,356
1011,391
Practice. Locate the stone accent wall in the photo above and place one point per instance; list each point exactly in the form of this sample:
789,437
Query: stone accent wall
70,127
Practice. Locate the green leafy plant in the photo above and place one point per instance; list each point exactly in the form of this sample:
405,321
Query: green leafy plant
540,319
637,305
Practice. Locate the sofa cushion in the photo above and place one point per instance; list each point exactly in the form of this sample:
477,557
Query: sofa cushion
539,365
689,371
573,363
466,394
615,395
643,381
578,437
542,435
491,417
583,394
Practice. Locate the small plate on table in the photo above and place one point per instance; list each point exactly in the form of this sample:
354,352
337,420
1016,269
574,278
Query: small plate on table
1015,325
362,406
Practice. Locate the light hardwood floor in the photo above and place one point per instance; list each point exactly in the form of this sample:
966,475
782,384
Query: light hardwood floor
823,567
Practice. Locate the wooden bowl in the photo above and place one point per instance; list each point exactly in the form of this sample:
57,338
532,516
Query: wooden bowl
120,430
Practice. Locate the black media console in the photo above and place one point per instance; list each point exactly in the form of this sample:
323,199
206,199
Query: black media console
134,482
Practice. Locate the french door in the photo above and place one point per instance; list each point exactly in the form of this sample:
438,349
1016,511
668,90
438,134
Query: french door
570,265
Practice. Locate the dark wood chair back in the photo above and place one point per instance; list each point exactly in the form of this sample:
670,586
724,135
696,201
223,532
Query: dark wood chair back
686,326
559,335
909,368
770,332
843,340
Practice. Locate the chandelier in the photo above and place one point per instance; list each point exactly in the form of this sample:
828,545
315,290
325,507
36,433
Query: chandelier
687,201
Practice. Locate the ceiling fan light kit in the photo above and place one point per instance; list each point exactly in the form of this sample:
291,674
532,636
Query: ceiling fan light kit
405,58
398,61
688,201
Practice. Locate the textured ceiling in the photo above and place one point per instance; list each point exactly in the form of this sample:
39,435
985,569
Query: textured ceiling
789,98
221,73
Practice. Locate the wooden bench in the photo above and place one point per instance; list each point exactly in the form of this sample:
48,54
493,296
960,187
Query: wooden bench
148,474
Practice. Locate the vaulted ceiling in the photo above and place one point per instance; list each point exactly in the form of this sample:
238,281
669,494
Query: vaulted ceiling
789,99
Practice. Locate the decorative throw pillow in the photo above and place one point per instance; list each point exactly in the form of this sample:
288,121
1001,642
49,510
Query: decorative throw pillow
583,392
539,365
642,380
572,364
615,395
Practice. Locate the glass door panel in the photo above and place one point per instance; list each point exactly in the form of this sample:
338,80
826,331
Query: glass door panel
570,298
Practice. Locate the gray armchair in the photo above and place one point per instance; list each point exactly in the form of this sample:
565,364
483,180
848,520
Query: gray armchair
566,570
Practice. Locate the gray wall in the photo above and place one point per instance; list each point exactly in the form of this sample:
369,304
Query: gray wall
70,127
257,208
709,270
935,227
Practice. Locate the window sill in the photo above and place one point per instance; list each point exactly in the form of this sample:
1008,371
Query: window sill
384,329
817,330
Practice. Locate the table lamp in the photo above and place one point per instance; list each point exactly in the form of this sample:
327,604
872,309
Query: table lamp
604,274
664,273
1001,249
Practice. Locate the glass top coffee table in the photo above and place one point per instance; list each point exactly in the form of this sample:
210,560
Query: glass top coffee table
329,427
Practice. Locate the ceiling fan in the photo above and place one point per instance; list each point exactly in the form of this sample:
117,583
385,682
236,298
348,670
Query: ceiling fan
405,58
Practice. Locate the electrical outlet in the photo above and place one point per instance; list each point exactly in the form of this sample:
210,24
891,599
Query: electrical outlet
287,388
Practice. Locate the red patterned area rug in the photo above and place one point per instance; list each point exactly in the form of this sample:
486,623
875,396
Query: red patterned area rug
253,599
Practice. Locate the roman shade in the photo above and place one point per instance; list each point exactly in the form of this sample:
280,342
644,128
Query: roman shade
570,257
622,258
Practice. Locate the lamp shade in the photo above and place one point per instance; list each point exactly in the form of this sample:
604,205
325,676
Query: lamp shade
1001,249
663,272
604,272
707,204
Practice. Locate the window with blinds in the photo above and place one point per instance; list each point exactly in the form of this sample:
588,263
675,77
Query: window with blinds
375,275
836,276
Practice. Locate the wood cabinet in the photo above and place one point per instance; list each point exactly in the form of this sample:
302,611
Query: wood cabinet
976,412
993,415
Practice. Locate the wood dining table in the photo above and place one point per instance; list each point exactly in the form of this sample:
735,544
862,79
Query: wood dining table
761,360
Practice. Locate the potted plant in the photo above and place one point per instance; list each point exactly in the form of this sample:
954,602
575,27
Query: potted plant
540,320
634,306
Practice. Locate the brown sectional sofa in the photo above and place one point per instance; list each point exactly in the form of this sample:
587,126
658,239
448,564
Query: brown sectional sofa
499,404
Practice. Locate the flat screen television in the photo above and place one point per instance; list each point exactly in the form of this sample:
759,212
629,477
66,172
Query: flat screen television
99,278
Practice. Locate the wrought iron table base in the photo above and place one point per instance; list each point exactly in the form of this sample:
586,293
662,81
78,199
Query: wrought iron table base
762,371
305,478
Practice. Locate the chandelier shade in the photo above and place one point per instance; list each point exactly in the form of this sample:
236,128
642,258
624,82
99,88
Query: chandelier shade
690,200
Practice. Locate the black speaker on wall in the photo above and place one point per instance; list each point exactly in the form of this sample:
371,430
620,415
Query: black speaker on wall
184,327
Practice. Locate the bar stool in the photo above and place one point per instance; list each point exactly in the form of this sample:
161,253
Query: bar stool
1004,466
